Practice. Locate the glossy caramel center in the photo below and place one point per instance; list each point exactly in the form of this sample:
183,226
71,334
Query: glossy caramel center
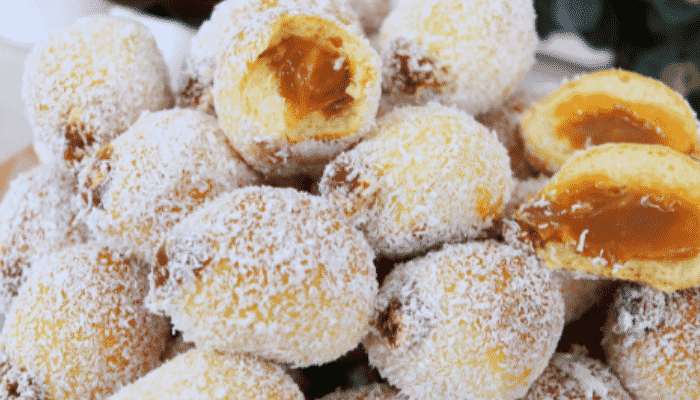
598,119
312,78
617,224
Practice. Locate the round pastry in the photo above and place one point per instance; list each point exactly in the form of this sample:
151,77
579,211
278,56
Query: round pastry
469,53
79,324
271,271
228,19
296,89
430,174
87,83
608,106
163,167
376,391
205,375
36,215
575,377
472,321
505,120
651,342
622,210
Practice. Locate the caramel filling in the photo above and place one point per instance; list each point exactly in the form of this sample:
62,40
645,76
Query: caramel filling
617,224
598,119
312,78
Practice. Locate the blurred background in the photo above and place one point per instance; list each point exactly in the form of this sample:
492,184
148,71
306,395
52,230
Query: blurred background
658,38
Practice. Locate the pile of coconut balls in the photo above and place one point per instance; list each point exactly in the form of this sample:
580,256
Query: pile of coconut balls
346,177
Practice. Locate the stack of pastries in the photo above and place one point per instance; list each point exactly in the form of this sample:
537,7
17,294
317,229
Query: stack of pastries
365,181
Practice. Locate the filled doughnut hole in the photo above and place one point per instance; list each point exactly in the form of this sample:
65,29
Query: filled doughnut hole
617,223
311,77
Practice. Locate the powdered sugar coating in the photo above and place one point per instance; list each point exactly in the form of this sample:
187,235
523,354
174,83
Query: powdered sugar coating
430,174
79,324
575,377
376,391
654,350
478,320
18,383
466,53
261,122
270,271
36,215
206,375
163,167
228,19
87,83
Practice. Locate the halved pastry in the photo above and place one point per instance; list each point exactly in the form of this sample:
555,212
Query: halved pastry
610,106
623,210
296,90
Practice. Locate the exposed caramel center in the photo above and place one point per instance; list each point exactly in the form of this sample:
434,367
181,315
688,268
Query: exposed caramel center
617,224
598,119
312,78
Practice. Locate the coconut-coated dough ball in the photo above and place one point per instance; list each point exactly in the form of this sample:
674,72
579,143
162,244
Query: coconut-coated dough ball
205,375
164,166
271,271
228,19
472,321
469,53
36,215
296,88
87,83
651,342
576,377
80,326
429,174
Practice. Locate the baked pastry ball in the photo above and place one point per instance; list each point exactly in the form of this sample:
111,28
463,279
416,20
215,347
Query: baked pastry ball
79,325
87,83
429,174
376,391
651,342
228,19
271,271
204,375
478,320
621,210
468,53
576,377
36,215
163,167
297,89
610,106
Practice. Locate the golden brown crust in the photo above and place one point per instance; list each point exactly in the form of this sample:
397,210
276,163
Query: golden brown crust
618,101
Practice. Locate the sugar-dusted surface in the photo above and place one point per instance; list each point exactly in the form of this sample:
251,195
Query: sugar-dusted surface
254,97
429,174
205,375
80,326
575,377
87,83
36,215
18,383
167,164
229,19
271,271
467,53
652,342
475,321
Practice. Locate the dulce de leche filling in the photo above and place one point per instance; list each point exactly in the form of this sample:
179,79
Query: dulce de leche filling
312,78
617,224
599,118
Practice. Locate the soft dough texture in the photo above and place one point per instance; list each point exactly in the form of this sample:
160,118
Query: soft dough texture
472,321
88,83
271,271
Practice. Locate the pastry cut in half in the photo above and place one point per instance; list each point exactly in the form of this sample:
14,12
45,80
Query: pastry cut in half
296,90
622,210
610,106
